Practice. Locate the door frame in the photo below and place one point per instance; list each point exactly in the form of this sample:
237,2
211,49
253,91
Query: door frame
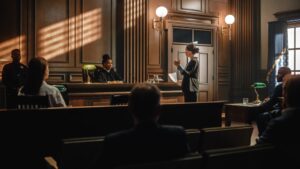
170,24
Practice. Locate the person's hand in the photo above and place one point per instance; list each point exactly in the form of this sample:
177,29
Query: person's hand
177,62
51,162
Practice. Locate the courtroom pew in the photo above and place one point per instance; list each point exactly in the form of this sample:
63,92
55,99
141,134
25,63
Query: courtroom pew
193,115
246,157
189,162
81,153
98,121
225,137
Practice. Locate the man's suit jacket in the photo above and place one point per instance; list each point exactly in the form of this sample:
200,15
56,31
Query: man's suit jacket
274,101
144,143
190,76
283,133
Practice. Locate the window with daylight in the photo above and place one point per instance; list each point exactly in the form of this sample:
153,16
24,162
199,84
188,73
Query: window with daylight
293,57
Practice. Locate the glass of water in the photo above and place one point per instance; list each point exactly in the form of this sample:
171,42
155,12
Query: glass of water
245,100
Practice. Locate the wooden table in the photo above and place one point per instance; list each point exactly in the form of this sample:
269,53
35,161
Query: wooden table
240,112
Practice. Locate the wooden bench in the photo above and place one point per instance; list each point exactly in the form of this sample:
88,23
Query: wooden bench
225,137
99,121
190,162
79,153
246,157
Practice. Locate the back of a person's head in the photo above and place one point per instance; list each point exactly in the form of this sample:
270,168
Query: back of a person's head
36,71
191,47
144,102
292,91
15,54
282,72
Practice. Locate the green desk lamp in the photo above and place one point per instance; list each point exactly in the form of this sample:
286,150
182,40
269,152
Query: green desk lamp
86,68
258,85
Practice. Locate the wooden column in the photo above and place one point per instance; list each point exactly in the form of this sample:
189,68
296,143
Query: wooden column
245,47
135,40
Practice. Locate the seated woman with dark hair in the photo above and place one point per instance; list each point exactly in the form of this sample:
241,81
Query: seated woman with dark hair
35,84
106,73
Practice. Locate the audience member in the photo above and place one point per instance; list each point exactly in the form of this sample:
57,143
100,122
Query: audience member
13,76
282,131
272,106
147,141
35,83
106,73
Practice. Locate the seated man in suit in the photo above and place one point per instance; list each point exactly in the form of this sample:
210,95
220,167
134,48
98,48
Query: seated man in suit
282,131
272,106
106,73
147,141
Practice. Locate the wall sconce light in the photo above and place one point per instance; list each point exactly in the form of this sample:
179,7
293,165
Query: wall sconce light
229,20
158,21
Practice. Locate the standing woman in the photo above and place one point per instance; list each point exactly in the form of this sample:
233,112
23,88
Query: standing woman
35,84
190,83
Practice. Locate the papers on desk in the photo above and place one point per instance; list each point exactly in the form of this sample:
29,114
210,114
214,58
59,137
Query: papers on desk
173,77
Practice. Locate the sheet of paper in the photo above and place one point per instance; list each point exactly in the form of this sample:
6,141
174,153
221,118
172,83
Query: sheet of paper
173,77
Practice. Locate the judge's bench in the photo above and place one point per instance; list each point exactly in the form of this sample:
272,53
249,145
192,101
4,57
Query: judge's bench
96,94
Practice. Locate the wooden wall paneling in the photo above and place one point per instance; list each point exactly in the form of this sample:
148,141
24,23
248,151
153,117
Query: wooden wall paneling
57,78
96,30
53,34
245,47
157,48
75,77
71,32
195,6
12,31
135,40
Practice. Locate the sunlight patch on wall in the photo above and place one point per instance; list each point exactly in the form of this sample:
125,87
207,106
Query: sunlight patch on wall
65,36
7,46
133,11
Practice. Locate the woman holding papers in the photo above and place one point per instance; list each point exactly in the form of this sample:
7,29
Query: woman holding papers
190,83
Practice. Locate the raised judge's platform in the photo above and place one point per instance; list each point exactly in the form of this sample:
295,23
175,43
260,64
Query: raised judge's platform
95,94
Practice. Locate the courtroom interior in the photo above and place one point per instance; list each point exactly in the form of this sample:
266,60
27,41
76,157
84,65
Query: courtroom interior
225,72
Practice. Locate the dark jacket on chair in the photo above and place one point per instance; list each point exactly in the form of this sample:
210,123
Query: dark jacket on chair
282,133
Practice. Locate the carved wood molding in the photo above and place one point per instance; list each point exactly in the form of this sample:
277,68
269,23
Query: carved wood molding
288,15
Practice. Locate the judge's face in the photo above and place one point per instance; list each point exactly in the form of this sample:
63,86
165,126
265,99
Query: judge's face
108,64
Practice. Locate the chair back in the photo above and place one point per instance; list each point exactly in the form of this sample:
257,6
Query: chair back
225,137
31,102
190,162
193,138
246,157
119,99
78,153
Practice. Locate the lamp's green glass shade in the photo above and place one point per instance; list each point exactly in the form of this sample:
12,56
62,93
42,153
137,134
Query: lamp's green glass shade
259,85
88,67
